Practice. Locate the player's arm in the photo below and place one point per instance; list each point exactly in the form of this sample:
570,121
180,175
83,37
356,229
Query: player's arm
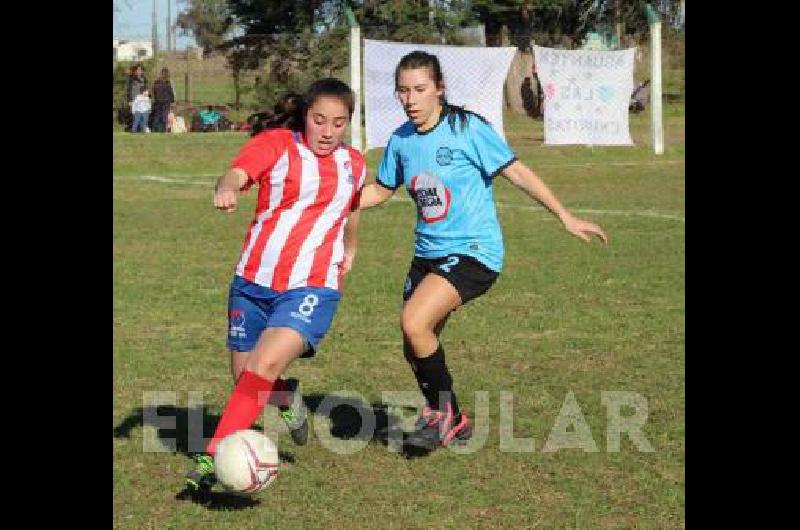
350,239
226,192
525,179
374,194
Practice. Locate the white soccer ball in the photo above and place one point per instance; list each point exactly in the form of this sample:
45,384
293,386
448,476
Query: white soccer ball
246,462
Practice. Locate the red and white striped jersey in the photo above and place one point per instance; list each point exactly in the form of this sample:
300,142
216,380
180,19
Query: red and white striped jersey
296,237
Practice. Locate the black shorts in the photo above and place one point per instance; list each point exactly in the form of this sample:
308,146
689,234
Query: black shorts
470,277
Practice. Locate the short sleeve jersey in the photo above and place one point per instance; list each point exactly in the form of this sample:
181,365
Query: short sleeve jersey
449,173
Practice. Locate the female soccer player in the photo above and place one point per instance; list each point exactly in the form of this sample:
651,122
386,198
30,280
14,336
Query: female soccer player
301,242
447,158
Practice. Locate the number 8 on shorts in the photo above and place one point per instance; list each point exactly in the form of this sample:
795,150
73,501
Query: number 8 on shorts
308,305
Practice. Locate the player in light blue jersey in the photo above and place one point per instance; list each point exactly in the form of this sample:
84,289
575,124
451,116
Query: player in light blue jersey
447,158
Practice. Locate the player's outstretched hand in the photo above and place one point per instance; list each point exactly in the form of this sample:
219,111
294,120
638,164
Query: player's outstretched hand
584,229
225,200
347,263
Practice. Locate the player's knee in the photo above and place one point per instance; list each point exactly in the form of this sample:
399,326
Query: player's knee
266,366
413,326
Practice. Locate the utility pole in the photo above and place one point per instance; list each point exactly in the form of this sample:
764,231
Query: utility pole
155,33
170,44
187,78
656,114
355,75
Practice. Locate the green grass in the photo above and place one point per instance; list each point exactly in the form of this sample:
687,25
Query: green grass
564,316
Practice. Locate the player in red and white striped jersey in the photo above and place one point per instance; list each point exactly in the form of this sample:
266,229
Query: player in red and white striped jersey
300,244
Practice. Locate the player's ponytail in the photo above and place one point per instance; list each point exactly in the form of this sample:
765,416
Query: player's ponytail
454,112
287,115
290,111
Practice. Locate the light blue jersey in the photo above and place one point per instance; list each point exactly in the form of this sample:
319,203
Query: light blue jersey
449,176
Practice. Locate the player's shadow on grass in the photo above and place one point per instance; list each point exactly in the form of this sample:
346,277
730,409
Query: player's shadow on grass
186,437
352,418
185,431
218,500
192,429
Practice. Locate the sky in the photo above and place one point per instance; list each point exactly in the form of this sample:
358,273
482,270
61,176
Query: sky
133,21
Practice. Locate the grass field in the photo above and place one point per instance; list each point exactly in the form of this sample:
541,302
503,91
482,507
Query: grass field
563,318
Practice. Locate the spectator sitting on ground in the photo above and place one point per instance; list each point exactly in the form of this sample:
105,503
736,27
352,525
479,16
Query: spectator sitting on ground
176,124
210,119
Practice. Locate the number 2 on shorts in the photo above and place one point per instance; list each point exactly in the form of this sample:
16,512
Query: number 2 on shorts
452,261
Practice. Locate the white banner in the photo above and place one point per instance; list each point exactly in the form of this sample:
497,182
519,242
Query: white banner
586,95
473,76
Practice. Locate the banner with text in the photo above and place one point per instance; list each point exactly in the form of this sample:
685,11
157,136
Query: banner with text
586,95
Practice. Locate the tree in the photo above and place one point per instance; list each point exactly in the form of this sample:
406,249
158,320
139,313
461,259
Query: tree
209,21
572,18
410,20
297,41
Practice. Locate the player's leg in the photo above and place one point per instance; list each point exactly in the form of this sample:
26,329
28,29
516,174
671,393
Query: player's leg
284,392
425,311
249,306
454,280
275,350
238,361
309,311
416,273
408,351
260,303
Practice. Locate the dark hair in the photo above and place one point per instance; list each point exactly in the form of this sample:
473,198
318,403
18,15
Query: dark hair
291,109
421,59
286,115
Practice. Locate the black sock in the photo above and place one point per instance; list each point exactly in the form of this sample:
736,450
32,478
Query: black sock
424,387
436,382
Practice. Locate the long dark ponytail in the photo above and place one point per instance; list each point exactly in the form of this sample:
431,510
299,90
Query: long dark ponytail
290,111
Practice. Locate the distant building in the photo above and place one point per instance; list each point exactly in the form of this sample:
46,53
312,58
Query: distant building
132,50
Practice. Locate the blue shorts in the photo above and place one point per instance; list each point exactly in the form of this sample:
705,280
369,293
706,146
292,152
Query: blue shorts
253,308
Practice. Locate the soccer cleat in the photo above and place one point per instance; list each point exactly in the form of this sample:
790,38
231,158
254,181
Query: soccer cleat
426,430
295,414
202,477
458,432
436,429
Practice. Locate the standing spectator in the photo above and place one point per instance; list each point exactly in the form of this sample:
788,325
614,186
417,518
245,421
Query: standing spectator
141,111
539,94
640,97
163,98
133,87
